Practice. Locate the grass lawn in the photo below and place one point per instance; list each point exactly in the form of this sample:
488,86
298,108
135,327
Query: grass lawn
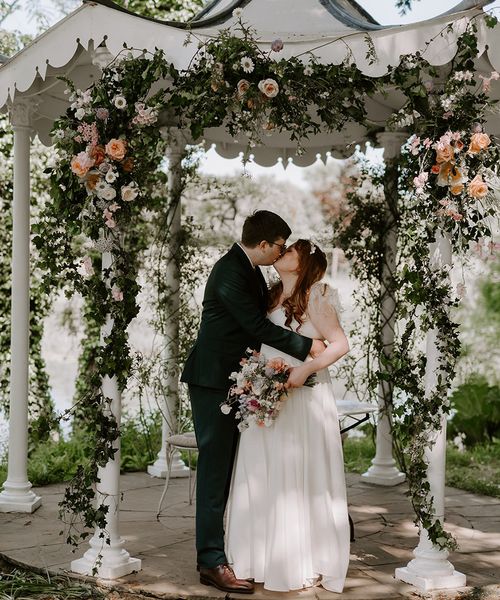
475,470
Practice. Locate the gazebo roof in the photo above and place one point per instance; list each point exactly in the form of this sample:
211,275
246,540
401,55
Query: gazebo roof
328,29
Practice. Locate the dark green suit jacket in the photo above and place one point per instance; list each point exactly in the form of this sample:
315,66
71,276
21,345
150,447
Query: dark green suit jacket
234,319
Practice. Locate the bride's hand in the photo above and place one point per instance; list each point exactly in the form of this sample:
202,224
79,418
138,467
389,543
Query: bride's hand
297,377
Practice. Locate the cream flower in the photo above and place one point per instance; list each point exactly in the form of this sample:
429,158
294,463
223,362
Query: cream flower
79,114
247,64
120,102
237,13
129,192
116,293
108,193
308,70
242,88
111,176
269,87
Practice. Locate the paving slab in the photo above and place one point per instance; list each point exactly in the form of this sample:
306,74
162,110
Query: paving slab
384,530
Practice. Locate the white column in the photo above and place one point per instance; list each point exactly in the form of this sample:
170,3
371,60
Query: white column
430,569
383,470
108,561
17,495
170,402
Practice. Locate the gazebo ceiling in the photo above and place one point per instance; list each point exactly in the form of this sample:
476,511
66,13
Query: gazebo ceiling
328,29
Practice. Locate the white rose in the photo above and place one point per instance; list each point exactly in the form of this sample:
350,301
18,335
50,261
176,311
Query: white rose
109,193
225,409
129,193
269,87
111,176
80,113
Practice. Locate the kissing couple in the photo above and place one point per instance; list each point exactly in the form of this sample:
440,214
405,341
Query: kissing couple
284,485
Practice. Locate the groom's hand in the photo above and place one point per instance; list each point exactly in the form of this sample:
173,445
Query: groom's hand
317,348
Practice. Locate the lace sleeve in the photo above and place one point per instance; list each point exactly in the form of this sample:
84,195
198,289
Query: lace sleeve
324,306
322,298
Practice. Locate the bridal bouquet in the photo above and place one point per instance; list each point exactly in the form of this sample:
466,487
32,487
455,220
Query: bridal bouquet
259,390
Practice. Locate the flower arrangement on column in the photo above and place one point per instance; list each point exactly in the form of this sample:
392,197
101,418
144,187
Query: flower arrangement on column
109,149
447,182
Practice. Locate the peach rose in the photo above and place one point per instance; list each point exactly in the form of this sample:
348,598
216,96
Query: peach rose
116,149
98,154
477,188
444,174
456,190
81,164
269,87
478,142
242,88
444,153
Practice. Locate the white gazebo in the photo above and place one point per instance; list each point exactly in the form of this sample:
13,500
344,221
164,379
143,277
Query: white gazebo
78,47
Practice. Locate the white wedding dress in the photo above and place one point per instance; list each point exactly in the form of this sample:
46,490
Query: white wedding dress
287,523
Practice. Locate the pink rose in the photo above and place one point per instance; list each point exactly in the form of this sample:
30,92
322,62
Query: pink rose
81,164
277,46
117,293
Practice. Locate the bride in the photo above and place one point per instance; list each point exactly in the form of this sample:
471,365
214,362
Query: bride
287,522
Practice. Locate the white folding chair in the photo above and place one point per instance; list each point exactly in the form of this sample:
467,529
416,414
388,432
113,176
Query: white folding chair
180,441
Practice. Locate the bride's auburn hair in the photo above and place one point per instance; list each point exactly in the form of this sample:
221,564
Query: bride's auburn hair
312,267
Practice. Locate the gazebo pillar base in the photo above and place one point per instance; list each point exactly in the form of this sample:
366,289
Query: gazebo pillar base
430,569
18,498
383,474
106,561
437,582
160,468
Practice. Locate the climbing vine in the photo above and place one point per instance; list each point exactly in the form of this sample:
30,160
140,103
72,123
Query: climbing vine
110,151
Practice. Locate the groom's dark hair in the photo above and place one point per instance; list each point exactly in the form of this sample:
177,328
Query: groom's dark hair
263,225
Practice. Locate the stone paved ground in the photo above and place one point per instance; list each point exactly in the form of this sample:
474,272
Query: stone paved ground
385,538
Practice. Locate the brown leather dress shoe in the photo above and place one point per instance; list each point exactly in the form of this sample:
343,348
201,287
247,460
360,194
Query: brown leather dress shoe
223,578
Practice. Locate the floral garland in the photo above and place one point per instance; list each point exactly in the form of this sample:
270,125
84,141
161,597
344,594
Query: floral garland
448,175
109,145
109,150
232,82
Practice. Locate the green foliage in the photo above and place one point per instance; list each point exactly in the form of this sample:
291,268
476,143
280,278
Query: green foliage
358,454
225,84
477,406
173,10
140,440
475,470
22,584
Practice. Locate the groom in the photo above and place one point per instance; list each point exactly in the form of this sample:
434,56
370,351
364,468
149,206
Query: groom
233,319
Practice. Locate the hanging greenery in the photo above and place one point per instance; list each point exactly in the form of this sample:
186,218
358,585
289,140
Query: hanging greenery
110,149
231,81
447,182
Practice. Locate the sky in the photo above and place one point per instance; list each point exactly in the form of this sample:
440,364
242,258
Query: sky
384,11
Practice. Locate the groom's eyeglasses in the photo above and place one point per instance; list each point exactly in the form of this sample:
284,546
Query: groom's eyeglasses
282,247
